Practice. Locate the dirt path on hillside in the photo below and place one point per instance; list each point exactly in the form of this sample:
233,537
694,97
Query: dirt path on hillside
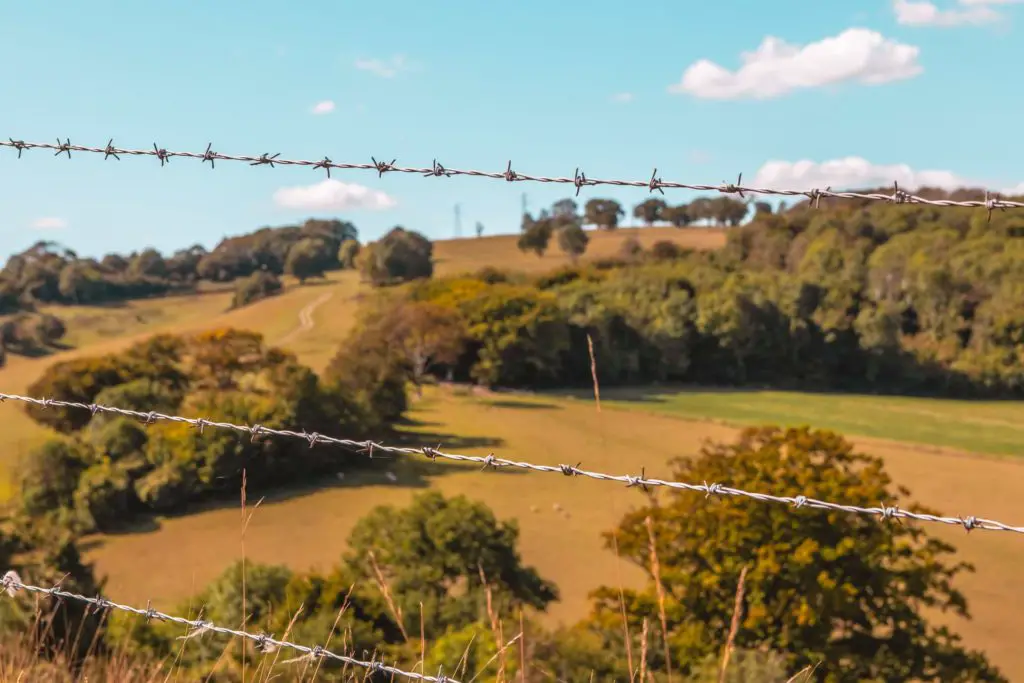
306,322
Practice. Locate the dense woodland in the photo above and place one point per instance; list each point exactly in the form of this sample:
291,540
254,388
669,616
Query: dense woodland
875,298
844,296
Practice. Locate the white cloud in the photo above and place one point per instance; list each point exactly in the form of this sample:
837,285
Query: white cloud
963,12
777,67
385,68
332,194
325,107
49,223
622,97
1015,191
852,173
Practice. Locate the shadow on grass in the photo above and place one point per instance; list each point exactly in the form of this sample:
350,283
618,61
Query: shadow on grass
521,405
384,469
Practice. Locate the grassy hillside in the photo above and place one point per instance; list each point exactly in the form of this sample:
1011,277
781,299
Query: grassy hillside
563,544
311,524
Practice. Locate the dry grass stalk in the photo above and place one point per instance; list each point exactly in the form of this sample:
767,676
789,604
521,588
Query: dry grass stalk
622,604
643,652
495,624
383,585
656,573
734,626
593,372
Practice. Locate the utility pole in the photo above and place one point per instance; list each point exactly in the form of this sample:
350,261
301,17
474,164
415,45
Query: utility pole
524,204
458,223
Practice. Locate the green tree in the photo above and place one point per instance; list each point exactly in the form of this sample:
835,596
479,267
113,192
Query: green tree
256,287
573,240
679,216
423,334
604,213
347,254
308,258
535,237
399,256
844,590
650,210
436,552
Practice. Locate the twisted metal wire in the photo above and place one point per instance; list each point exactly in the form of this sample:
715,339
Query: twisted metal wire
884,512
11,584
579,179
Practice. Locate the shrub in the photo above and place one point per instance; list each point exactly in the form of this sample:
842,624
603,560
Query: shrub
260,285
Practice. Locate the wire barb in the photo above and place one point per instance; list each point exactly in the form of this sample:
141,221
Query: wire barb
579,180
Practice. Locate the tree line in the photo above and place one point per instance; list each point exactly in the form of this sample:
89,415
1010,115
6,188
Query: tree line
47,273
865,297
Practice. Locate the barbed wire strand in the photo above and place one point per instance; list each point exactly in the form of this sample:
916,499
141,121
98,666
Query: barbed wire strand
579,180
11,584
884,512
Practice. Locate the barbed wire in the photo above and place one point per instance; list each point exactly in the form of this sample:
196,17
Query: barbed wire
11,584
579,180
884,512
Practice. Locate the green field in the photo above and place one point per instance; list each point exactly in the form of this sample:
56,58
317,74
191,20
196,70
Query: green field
987,427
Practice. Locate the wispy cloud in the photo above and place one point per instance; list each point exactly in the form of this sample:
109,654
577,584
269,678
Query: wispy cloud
49,223
331,194
776,67
622,97
325,107
385,68
853,173
961,13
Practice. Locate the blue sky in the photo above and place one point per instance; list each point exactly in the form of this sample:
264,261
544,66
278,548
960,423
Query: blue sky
914,91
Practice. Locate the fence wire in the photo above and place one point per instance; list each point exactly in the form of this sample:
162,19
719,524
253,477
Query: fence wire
884,512
579,179
11,584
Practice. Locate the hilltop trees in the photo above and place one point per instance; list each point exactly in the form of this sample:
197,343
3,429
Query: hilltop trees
604,213
650,211
401,255
845,592
47,273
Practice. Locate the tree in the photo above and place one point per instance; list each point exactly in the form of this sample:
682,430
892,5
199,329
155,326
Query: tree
679,216
308,258
650,211
479,229
347,254
535,237
604,213
436,554
762,209
149,263
423,333
49,328
565,208
573,241
255,287
399,256
841,590
729,211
